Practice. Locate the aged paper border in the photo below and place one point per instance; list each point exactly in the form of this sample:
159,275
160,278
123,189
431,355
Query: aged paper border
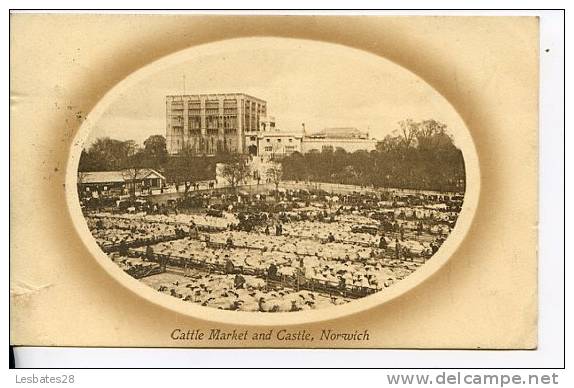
392,38
237,317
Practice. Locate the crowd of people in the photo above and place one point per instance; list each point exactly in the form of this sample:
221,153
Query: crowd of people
112,230
136,267
250,293
246,251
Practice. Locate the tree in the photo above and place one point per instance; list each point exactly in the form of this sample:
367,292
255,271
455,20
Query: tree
91,162
130,148
408,130
421,155
430,134
235,170
155,150
187,168
134,171
275,174
107,154
295,167
389,144
349,175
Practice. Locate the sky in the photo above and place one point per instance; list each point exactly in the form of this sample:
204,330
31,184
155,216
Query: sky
322,85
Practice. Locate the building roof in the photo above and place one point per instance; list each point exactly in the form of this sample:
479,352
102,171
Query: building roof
279,134
117,176
214,95
151,173
102,177
341,140
340,133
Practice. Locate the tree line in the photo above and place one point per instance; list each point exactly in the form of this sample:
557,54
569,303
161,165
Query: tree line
107,154
418,155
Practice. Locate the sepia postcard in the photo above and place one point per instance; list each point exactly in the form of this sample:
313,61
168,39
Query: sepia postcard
274,181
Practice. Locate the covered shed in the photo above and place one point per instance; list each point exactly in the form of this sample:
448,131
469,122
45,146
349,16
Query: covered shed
120,182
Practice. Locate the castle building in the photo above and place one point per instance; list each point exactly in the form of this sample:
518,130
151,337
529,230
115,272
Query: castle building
210,123
207,124
276,143
279,143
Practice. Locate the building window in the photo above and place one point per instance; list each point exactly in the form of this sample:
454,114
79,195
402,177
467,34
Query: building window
268,140
194,122
253,138
230,121
268,149
278,140
290,140
212,107
212,122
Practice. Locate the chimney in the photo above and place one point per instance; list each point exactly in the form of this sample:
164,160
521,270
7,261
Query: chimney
303,125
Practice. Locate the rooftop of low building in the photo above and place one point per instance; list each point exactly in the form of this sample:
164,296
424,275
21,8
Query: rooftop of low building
340,133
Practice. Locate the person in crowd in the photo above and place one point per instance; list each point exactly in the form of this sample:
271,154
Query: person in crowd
239,281
331,237
194,232
149,253
123,248
407,253
229,242
383,243
272,271
420,228
229,267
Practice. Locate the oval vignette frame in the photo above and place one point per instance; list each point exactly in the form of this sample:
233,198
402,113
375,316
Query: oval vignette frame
448,248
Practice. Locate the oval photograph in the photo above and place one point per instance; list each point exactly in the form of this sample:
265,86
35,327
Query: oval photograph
272,175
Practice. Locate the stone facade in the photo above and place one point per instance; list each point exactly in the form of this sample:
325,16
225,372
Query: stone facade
211,123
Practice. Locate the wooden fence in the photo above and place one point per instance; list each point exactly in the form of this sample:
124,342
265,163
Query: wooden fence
293,282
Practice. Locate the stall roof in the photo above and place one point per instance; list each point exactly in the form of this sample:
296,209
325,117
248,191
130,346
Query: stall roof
102,177
117,176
